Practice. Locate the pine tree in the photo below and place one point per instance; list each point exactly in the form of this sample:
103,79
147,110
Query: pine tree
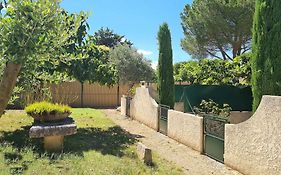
266,61
166,86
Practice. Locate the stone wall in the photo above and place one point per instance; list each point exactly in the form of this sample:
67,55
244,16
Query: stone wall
123,105
186,128
144,108
239,117
254,146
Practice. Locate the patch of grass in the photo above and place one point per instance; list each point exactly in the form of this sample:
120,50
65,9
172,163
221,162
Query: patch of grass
99,148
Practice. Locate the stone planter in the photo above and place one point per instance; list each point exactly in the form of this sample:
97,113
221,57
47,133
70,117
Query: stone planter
53,133
49,117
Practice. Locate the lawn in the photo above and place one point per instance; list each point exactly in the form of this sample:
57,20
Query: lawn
99,148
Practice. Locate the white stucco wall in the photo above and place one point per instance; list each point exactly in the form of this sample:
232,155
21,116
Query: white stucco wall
239,116
144,108
186,128
123,106
254,146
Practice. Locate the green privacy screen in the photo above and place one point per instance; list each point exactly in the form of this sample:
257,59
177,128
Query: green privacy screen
239,98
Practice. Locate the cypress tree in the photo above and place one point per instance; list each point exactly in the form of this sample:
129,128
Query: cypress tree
266,61
166,82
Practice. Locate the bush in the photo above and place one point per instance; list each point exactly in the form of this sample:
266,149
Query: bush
211,107
215,71
43,108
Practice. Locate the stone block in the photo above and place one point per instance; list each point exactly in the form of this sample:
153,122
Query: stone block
53,133
144,153
65,127
53,143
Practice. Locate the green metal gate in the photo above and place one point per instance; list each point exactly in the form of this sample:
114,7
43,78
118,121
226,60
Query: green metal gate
214,137
163,119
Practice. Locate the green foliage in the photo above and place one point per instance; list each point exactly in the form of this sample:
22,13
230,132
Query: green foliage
32,30
218,27
34,34
133,90
44,107
89,62
165,67
91,65
215,71
211,107
266,64
187,71
16,95
107,37
131,66
241,69
2,66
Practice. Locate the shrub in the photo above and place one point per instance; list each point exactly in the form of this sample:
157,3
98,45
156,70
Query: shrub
215,71
43,108
211,107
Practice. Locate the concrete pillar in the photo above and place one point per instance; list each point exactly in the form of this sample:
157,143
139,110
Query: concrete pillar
53,143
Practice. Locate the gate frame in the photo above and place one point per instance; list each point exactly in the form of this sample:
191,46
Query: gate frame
160,117
205,133
128,106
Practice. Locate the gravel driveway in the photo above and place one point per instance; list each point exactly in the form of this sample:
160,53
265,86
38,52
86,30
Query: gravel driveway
192,162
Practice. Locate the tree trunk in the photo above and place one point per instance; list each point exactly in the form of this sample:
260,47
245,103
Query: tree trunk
7,84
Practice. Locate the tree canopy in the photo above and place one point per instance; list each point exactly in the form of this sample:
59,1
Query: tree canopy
107,37
31,32
130,65
217,28
215,71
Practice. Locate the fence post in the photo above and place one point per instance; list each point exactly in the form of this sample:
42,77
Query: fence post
118,92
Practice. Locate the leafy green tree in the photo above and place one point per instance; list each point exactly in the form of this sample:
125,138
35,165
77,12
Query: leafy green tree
217,28
131,66
216,71
266,64
107,37
90,62
30,31
165,67
91,65
187,71
177,68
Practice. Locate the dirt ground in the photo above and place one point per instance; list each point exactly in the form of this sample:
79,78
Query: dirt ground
192,162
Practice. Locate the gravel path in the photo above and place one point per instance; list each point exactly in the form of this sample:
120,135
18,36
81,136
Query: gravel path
191,161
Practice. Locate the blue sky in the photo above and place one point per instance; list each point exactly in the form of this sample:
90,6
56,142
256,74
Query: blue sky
138,20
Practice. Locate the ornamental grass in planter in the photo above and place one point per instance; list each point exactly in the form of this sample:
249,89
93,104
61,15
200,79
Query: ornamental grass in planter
48,112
